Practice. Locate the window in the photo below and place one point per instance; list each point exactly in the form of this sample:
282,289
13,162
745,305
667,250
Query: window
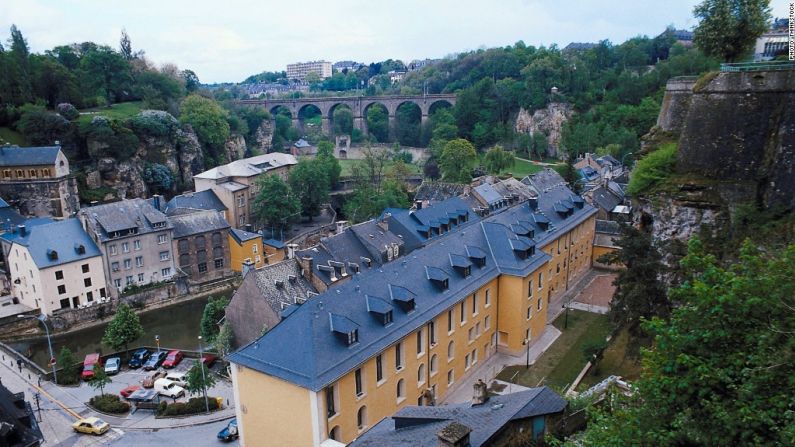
20,173
450,350
241,200
32,173
487,302
529,309
357,375
434,364
125,247
114,266
184,260
161,238
117,283
218,252
399,356
166,272
467,362
540,280
137,244
474,303
7,173
353,337
379,368
127,264
90,296
219,263
112,248
217,239
449,321
139,261
487,322
140,277
87,282
85,268
255,248
334,433
477,329
182,246
202,267
557,268
530,289
474,356
164,256
61,289
539,303
331,408
361,418
257,259
471,334
401,390
432,332
450,377
129,280
419,342
201,256
59,274
421,374
463,314
199,242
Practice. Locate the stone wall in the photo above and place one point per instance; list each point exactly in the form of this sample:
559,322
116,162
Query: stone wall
675,104
549,121
56,197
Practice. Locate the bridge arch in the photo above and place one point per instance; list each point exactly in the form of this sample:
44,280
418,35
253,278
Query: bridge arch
376,124
281,108
408,123
309,116
343,123
435,105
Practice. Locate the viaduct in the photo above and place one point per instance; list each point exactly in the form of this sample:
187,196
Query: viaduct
358,105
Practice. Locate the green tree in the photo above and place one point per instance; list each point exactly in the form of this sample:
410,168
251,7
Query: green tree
106,71
275,204
727,29
212,314
209,121
378,123
343,121
100,379
224,339
325,155
309,181
41,127
497,160
456,161
125,46
124,329
158,177
196,382
67,362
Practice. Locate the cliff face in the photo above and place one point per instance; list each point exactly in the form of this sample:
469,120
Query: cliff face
549,121
736,147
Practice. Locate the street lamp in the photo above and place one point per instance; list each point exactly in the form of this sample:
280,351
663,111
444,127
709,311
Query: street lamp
43,319
157,340
526,342
204,383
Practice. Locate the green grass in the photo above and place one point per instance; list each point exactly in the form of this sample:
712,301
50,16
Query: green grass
560,364
8,135
120,111
347,167
617,360
520,169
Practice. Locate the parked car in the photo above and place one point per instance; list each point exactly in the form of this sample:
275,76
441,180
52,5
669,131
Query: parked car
139,357
155,360
173,359
168,388
112,366
89,363
229,433
92,426
179,378
125,393
149,382
209,359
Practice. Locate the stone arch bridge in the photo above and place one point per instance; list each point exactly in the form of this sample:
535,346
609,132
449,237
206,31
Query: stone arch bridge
358,105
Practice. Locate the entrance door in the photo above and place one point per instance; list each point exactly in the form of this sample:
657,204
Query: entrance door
75,301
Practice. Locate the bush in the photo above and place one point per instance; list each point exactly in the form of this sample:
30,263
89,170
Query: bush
68,111
109,403
68,375
653,169
194,405
154,123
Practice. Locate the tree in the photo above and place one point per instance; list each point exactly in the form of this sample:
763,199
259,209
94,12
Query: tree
224,339
325,155
125,46
99,380
196,381
275,203
158,177
728,28
68,373
209,122
343,121
378,123
191,80
124,329
456,161
309,181
497,160
212,314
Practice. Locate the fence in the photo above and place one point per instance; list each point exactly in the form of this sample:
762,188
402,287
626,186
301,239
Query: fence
759,66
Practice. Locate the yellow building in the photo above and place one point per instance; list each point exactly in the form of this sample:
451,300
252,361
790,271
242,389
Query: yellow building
245,247
405,333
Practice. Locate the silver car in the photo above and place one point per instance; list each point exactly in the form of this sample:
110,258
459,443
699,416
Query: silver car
112,366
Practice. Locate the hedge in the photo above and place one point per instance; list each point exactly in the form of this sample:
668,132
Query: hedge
109,403
194,405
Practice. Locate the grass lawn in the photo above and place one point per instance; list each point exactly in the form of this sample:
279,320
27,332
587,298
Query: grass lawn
347,166
561,363
122,110
8,135
616,361
520,169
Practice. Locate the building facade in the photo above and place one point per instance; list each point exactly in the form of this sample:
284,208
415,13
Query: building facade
37,181
135,240
299,70
410,331
245,248
235,184
201,245
55,266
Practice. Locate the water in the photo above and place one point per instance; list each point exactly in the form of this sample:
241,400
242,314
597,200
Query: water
177,326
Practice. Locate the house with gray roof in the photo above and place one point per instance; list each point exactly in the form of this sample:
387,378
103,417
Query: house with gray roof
190,202
37,181
18,424
544,180
135,240
200,243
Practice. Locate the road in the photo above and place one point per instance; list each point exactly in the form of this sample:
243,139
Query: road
196,436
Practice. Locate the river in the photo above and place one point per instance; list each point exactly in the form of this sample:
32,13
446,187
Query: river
177,326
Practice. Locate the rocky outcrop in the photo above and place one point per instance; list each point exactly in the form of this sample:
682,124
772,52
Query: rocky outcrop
549,121
191,157
235,148
263,137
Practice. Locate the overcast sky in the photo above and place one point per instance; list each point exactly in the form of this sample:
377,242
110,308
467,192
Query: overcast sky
228,40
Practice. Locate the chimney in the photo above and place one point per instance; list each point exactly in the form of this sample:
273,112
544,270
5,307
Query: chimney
341,226
248,266
418,204
156,201
454,435
23,230
533,203
481,394
291,251
249,228
384,222
306,267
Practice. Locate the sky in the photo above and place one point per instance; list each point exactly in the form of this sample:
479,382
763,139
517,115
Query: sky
228,40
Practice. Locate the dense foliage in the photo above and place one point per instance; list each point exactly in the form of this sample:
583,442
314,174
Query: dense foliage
199,378
728,29
124,329
194,405
68,374
109,403
653,169
275,205
212,314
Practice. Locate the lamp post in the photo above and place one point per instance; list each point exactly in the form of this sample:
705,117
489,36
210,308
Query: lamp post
204,383
527,359
43,319
566,319
157,340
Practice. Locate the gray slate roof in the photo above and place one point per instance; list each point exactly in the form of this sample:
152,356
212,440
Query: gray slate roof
202,200
198,222
55,242
418,425
28,156
489,194
438,191
124,215
302,348
242,236
605,199
544,180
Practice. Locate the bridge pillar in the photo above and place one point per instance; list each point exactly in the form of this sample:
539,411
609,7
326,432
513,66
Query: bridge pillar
361,124
424,119
325,125
392,126
296,123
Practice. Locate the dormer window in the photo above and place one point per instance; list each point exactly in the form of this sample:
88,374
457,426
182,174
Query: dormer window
387,318
52,255
380,309
403,297
438,277
476,255
80,249
345,328
353,337
461,264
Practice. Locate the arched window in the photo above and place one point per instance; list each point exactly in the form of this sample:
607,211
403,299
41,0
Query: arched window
450,350
434,364
217,239
401,389
334,433
184,260
361,418
183,246
199,242
421,373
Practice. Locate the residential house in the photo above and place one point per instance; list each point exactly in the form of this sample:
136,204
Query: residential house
135,241
264,297
55,266
245,248
430,191
235,184
18,424
410,330
274,250
201,244
37,181
191,202
606,233
523,417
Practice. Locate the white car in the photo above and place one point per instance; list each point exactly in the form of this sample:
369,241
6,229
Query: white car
179,378
112,366
169,388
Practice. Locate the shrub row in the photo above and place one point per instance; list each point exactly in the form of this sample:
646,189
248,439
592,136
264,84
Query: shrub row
109,403
193,406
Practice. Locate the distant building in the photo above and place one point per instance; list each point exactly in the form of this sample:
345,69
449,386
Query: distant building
37,181
396,76
235,183
18,425
606,234
299,70
274,250
347,65
55,266
771,44
201,244
579,46
416,64
135,241
683,37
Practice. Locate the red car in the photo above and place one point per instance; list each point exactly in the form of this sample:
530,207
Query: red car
91,361
209,359
125,393
172,359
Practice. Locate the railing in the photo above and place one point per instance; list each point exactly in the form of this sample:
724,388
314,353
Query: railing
759,66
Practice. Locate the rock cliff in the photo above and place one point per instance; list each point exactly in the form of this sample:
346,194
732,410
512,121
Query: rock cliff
549,121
